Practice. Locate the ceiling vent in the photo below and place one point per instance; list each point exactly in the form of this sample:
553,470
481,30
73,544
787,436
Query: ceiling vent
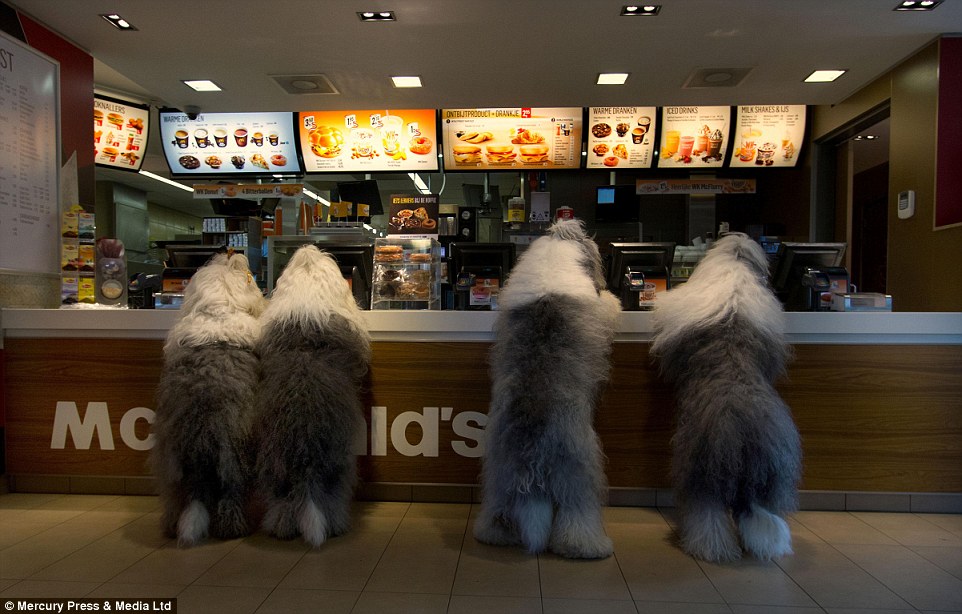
305,84
716,77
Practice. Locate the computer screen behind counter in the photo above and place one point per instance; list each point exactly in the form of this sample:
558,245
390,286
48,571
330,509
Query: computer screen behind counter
356,264
791,262
365,191
648,255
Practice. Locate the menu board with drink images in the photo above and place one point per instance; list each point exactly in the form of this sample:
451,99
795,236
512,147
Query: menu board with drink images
693,137
621,137
229,144
511,138
369,140
120,133
768,135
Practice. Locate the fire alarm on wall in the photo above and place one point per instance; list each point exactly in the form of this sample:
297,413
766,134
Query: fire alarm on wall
906,204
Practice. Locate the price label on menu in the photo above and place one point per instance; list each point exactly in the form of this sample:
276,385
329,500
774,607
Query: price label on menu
621,137
768,135
511,138
693,137
120,133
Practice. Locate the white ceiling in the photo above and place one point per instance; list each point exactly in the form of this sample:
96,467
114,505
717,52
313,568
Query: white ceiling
485,52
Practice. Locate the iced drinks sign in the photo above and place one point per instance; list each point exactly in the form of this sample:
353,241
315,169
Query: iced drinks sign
768,135
621,137
693,137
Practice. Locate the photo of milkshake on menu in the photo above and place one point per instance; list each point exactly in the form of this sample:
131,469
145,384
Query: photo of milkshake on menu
768,135
621,137
694,137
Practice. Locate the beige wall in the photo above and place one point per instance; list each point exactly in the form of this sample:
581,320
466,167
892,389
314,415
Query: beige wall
166,224
920,258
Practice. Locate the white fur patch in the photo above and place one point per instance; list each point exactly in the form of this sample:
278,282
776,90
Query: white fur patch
312,523
707,533
764,534
541,266
193,524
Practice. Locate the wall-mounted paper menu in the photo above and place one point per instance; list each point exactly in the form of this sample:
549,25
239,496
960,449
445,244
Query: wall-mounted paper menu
768,135
693,137
621,137
120,133
364,141
511,138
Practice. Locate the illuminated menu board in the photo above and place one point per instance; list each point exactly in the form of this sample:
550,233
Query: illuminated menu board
621,137
369,140
120,133
511,138
693,137
768,135
225,144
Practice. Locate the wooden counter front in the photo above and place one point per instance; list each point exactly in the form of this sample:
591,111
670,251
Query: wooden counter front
872,417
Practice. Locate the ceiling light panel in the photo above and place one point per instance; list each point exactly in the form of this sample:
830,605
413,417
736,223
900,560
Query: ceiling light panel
917,5
406,81
202,85
824,76
640,10
117,21
376,16
612,78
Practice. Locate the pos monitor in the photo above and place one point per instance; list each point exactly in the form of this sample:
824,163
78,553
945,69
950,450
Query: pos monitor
638,271
478,271
792,264
365,191
356,262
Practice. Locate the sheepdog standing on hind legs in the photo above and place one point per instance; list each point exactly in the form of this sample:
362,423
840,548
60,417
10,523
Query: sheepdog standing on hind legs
203,457
543,480
736,457
315,351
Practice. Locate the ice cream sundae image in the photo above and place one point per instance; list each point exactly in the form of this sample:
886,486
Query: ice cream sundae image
714,146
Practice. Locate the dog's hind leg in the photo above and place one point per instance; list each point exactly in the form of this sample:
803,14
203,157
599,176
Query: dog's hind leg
491,526
707,532
764,534
533,515
280,519
579,533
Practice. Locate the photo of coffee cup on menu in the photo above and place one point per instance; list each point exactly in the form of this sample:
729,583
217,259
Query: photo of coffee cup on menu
258,138
240,136
200,136
180,139
637,135
220,137
273,139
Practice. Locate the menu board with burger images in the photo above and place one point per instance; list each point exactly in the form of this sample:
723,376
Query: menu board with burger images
369,140
120,133
218,144
511,138
693,137
414,215
621,137
768,135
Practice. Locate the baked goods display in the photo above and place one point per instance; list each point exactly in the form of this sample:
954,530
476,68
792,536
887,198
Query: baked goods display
406,274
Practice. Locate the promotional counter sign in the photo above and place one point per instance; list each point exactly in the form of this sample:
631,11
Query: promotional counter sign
694,137
120,133
695,186
225,144
414,216
364,141
514,138
248,190
621,137
768,135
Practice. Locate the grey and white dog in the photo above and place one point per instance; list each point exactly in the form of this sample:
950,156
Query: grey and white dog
315,351
736,453
543,479
203,456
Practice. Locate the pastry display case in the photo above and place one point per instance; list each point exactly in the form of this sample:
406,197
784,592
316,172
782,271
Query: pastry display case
407,274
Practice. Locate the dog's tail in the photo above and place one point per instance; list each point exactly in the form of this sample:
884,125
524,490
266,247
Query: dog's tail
297,514
193,524
312,522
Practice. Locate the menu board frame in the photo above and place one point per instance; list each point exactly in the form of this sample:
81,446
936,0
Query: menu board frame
176,127
128,139
621,137
680,152
362,141
515,128
783,142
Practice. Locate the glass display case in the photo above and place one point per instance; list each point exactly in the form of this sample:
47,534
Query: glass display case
407,274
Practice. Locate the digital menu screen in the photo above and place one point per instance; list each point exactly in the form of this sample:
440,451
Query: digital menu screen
768,135
120,133
392,140
219,144
511,138
621,137
694,137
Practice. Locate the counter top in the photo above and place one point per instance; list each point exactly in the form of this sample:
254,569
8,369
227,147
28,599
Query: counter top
423,326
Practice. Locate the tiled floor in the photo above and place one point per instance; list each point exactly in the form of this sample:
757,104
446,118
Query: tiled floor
420,557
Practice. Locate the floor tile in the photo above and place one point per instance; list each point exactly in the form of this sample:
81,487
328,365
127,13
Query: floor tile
774,609
947,559
842,528
138,590
665,607
582,579
258,561
910,529
400,603
53,590
919,582
421,557
484,604
949,522
496,570
221,599
171,564
658,570
752,582
587,606
297,601
342,563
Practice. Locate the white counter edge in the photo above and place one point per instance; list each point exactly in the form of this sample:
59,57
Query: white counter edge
475,326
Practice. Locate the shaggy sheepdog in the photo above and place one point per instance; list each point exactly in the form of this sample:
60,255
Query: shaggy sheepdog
315,351
203,456
736,454
543,480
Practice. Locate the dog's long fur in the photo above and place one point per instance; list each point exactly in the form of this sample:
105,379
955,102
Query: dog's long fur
315,351
543,474
736,457
203,456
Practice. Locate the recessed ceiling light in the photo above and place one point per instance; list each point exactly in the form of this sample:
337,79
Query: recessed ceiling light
117,21
376,16
648,10
917,5
202,85
612,78
406,81
824,76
